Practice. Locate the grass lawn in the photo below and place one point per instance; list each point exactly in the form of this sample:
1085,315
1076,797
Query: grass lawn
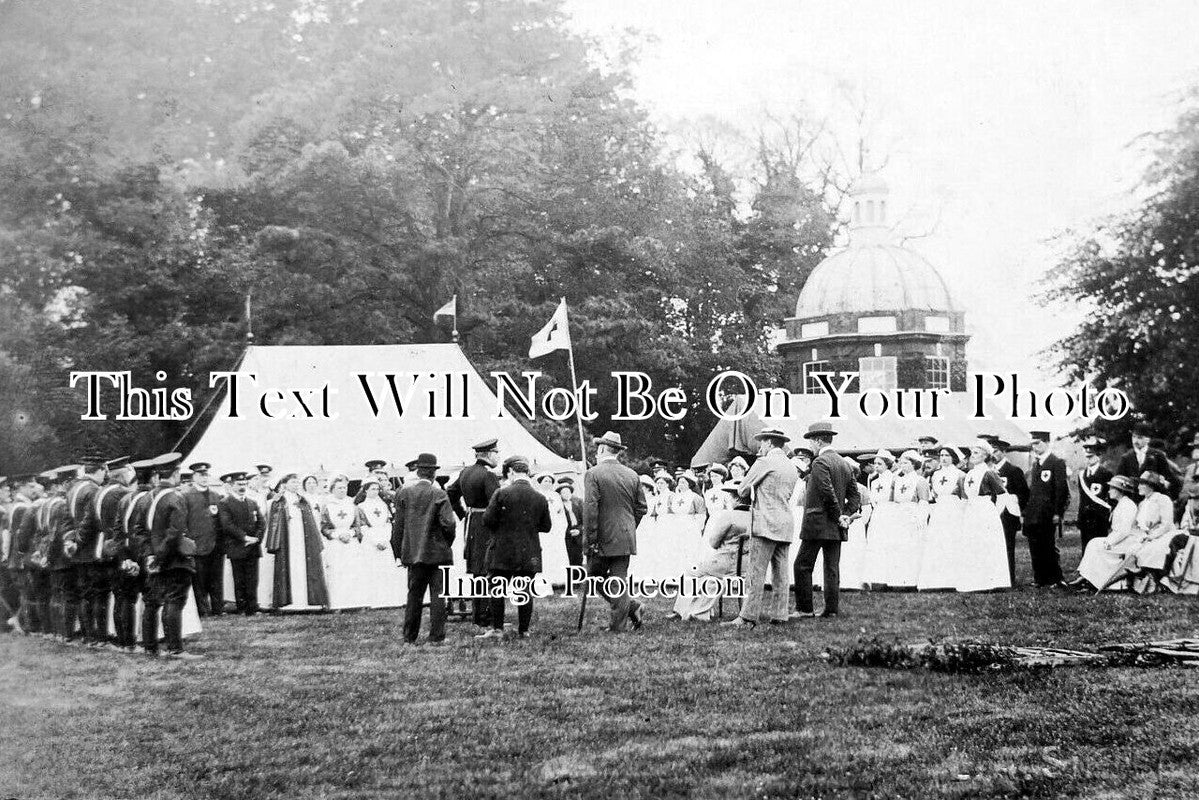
336,706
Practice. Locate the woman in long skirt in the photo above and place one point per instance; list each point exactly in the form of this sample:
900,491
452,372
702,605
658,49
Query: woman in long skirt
982,556
554,556
854,548
905,529
1155,524
384,583
723,535
942,539
1104,554
341,525
293,537
889,539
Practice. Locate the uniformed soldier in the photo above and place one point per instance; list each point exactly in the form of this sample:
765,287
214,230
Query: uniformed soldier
52,553
377,468
10,597
242,526
83,543
1094,506
124,542
1012,509
171,562
203,526
33,580
469,495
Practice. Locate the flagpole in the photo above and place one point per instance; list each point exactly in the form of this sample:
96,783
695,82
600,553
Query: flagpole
574,384
455,334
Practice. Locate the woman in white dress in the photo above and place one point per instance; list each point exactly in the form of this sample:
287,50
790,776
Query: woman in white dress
294,538
554,557
738,468
982,554
854,549
1155,523
690,514
663,494
897,523
341,525
1102,559
383,583
942,539
714,498
311,489
723,536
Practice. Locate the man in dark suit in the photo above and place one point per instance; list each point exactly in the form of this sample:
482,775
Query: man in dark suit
469,496
1016,485
125,545
423,529
831,496
613,505
79,542
1144,458
572,507
1048,496
170,564
516,517
242,527
1094,506
202,521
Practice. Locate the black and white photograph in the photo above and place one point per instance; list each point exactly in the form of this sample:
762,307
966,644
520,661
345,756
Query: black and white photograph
599,399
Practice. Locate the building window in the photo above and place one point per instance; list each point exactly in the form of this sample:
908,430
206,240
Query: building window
876,324
936,324
936,372
810,384
877,373
810,330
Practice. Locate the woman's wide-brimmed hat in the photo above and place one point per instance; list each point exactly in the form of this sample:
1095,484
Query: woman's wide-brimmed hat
884,455
739,462
1154,479
1123,483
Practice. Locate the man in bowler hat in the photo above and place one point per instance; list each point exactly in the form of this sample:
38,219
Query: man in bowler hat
422,532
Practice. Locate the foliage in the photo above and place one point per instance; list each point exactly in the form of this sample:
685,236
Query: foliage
349,166
1137,275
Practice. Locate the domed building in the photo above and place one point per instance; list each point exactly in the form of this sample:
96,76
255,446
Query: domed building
876,308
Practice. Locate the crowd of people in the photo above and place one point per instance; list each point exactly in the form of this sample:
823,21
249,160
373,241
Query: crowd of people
110,552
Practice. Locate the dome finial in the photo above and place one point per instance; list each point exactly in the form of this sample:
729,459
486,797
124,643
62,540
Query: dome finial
868,209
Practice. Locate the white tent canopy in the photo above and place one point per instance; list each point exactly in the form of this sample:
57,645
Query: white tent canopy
322,447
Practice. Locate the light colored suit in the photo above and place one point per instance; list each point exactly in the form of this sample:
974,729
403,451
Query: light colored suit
769,482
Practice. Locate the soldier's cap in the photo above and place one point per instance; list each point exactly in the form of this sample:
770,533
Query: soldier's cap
565,482
1094,445
142,468
92,458
1142,429
234,477
120,462
1000,444
185,476
65,473
263,468
511,460
374,464
928,438
990,437
1040,436
200,466
166,464
486,445
1123,483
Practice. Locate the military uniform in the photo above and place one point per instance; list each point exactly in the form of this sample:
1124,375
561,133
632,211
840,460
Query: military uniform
1094,506
34,582
1048,496
91,573
54,523
241,519
469,496
125,545
170,565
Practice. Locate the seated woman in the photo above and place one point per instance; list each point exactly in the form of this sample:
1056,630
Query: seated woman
725,531
1104,555
715,499
1146,559
1182,572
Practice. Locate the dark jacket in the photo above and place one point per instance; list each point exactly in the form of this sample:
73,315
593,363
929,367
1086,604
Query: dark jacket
1048,491
202,518
1094,514
109,503
130,540
576,507
1155,461
23,527
516,517
240,518
54,525
166,521
1014,482
830,493
613,506
474,488
84,526
423,527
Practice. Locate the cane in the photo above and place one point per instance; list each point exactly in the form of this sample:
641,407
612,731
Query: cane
583,607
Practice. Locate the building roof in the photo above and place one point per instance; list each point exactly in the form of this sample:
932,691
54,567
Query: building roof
873,272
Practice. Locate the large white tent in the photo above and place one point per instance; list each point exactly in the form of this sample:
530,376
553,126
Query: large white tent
322,447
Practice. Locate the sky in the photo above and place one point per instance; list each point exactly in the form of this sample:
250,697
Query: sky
1003,124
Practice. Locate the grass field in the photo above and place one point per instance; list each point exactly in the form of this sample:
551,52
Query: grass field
335,706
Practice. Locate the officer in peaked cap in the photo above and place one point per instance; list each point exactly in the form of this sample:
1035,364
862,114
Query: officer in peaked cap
469,494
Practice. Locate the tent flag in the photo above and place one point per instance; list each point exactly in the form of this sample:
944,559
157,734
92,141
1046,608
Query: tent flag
554,336
450,309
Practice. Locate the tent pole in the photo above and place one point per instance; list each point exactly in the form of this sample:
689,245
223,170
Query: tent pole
574,383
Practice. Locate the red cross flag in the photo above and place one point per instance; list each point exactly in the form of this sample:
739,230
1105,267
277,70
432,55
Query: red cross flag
554,336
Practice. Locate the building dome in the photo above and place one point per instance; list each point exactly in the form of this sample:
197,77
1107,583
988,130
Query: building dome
873,272
873,278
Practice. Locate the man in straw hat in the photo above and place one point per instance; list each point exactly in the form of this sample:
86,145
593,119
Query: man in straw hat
830,498
768,486
613,505
422,533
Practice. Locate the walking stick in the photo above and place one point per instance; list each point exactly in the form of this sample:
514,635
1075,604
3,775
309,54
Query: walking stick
582,613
